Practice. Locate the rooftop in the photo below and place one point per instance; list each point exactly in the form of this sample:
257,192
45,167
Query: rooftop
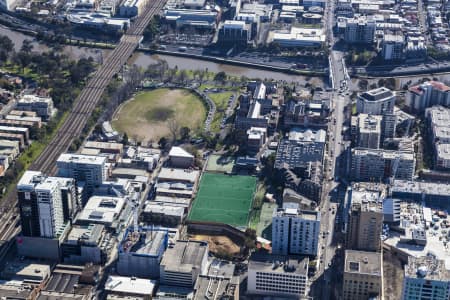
443,151
421,187
369,200
377,94
419,89
362,262
102,209
427,267
278,264
81,159
301,214
170,174
147,241
184,256
178,151
131,285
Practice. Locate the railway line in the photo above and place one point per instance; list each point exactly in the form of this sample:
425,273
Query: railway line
77,119
91,94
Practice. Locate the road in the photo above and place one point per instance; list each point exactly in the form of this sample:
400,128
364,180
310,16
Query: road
339,79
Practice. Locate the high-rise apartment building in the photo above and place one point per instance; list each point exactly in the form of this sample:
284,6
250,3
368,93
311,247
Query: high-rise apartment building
360,30
46,203
365,221
378,101
363,275
427,94
379,164
89,169
426,278
295,231
369,131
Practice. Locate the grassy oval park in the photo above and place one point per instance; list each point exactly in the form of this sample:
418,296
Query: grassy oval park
144,117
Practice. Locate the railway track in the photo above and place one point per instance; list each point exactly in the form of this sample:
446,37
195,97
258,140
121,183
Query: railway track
78,117
91,94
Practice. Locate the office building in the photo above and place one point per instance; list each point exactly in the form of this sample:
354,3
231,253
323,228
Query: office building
275,275
392,47
295,231
426,277
201,18
369,131
363,275
43,106
141,252
360,30
379,164
435,194
235,32
91,170
46,204
442,156
365,221
129,288
105,210
256,138
298,37
84,245
219,282
427,94
183,262
378,101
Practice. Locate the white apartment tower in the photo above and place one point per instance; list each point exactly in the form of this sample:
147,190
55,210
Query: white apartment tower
87,168
50,207
295,231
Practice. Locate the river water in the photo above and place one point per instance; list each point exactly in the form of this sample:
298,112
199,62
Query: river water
144,60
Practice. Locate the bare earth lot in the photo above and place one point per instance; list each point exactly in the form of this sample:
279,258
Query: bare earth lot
144,117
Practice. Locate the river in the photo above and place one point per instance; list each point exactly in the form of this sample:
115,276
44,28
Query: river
144,60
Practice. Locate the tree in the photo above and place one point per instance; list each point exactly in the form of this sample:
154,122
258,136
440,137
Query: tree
250,238
363,84
125,140
174,128
27,46
184,132
221,76
162,142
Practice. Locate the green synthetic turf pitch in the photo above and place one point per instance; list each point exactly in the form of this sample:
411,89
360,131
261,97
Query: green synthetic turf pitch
224,199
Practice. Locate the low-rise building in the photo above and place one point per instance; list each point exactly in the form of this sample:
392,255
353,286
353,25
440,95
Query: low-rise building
130,287
298,37
43,106
274,275
235,32
180,158
140,252
433,193
183,262
131,8
102,210
363,275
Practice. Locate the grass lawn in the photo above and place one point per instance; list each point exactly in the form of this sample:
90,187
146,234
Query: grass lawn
224,199
144,117
221,101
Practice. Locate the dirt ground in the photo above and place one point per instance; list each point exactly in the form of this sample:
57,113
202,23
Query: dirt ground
392,276
218,243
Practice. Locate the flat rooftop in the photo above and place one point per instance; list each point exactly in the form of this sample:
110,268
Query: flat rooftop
278,264
131,285
171,174
102,209
369,200
362,262
81,159
377,94
427,267
419,187
184,256
146,241
301,214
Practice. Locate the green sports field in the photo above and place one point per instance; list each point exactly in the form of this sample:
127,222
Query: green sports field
224,199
